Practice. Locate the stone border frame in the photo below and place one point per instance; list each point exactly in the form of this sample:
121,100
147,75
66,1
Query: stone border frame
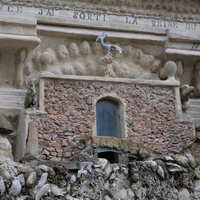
122,108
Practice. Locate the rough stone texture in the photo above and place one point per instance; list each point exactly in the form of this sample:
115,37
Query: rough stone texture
5,126
184,194
5,148
163,177
150,116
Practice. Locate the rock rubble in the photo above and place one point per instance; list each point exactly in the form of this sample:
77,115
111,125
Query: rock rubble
164,177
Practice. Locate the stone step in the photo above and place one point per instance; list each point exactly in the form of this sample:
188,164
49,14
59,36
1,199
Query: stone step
194,108
193,114
10,111
194,102
12,92
11,104
12,98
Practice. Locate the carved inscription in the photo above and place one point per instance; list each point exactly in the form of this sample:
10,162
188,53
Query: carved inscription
195,45
164,23
15,9
101,17
190,26
131,21
89,16
47,12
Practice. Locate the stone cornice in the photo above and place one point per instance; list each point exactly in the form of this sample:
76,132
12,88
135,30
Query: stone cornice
176,9
166,83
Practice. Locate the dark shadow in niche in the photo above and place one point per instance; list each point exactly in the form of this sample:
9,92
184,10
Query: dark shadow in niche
111,156
108,124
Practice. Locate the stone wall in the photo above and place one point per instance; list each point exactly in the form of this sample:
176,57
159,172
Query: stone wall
150,115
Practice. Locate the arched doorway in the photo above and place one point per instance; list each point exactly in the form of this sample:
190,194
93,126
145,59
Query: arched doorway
108,123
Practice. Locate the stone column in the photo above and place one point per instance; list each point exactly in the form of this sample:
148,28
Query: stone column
20,57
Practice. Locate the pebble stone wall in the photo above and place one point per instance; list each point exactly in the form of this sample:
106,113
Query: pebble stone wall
150,116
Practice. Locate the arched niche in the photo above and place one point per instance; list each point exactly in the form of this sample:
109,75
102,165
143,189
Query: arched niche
110,122
108,118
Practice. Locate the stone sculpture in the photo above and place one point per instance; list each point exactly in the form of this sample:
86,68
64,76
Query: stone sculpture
196,79
168,71
75,59
46,59
185,91
97,49
31,96
107,60
62,52
179,70
74,50
108,47
36,61
20,57
85,48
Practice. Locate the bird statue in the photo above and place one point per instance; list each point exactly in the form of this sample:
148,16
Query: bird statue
108,47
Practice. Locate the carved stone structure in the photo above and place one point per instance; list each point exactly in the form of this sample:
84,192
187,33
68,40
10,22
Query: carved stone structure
108,63
108,47
53,73
185,91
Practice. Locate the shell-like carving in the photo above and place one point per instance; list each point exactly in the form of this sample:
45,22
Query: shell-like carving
182,160
41,182
161,172
172,167
42,191
15,188
168,158
152,164
191,160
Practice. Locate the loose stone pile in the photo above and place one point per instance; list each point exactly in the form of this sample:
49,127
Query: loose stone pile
164,177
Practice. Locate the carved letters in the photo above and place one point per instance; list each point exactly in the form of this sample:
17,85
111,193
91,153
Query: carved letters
102,17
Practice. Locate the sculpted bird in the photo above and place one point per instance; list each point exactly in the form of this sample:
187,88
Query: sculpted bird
108,47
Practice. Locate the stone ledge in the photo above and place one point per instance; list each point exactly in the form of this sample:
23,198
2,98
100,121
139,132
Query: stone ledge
174,52
169,82
19,40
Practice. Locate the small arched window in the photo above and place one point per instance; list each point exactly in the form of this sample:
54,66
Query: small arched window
108,124
108,118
